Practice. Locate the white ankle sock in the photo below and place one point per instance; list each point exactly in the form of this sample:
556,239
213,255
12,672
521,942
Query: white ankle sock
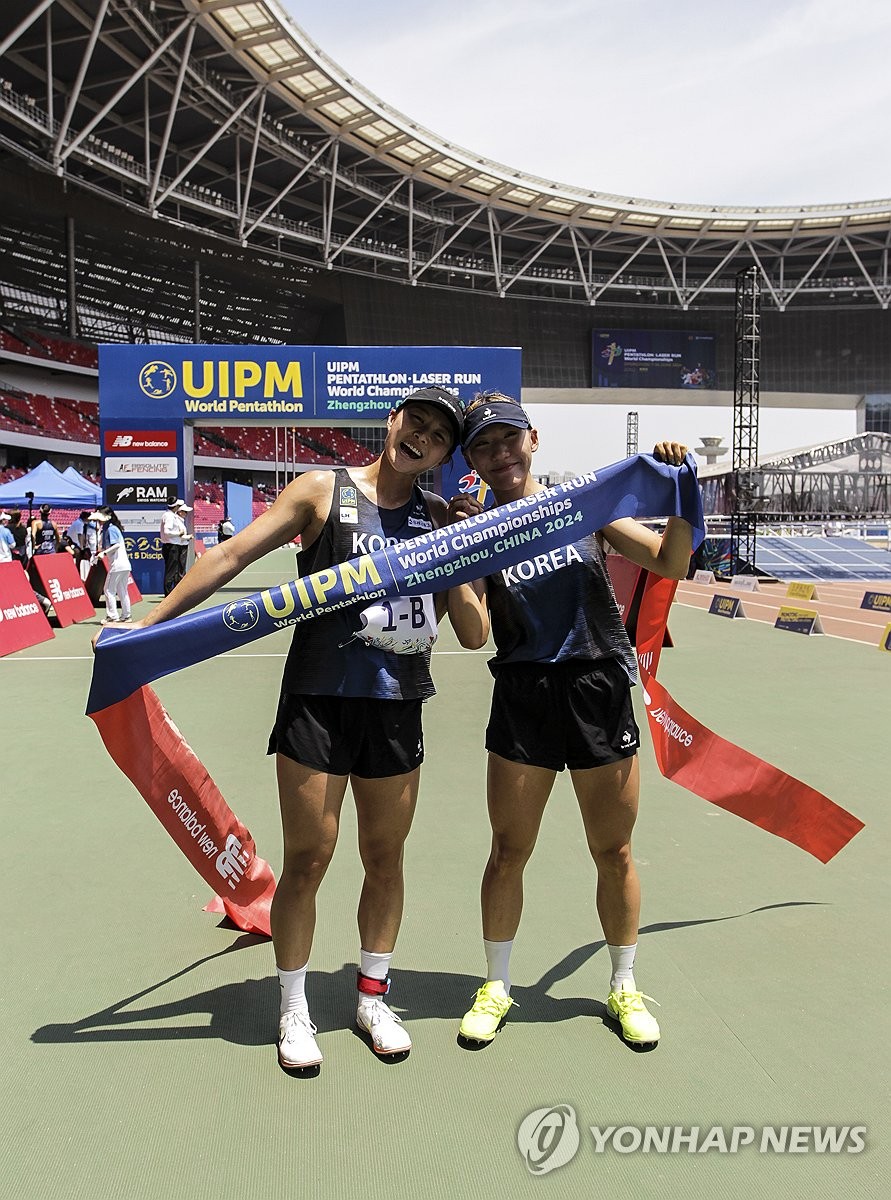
498,961
374,966
622,959
293,988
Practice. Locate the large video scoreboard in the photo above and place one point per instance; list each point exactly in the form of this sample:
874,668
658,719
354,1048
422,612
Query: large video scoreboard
653,358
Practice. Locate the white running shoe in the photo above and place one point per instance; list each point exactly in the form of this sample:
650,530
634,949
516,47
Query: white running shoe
388,1034
296,1042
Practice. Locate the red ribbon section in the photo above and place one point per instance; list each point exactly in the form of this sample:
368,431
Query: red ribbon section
720,772
152,753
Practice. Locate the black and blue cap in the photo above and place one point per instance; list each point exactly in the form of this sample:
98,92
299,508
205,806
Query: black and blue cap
439,398
493,412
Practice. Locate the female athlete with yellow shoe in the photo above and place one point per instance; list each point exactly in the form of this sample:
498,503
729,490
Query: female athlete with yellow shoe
562,699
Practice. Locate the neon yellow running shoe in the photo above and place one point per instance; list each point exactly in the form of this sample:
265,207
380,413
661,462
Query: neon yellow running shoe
628,1008
490,1007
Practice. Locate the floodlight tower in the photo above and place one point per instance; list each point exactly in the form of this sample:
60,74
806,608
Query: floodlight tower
746,397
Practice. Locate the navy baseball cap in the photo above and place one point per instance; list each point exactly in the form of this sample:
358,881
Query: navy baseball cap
493,412
439,398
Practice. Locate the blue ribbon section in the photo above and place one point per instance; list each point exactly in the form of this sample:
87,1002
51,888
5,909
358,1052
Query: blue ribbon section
638,487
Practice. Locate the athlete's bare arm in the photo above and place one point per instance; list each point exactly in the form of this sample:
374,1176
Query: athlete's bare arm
466,604
302,508
668,555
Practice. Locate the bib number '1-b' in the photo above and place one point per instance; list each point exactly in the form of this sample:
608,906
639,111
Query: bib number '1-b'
402,625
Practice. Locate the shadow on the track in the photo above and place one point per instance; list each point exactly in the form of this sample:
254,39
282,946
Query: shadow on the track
244,1013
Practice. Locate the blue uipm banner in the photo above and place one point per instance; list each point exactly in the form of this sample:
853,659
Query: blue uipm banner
151,396
530,528
290,384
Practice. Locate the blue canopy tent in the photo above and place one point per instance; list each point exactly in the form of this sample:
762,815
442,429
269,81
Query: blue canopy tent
92,490
49,486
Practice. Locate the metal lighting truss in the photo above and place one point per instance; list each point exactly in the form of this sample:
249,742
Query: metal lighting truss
746,397
632,422
222,118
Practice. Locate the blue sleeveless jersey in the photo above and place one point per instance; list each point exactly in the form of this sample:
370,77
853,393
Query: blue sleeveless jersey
324,659
557,607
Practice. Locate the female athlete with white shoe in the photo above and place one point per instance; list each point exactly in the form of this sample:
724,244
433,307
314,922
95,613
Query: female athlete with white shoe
350,707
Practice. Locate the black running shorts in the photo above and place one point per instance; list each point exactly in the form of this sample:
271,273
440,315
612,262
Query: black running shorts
575,714
373,739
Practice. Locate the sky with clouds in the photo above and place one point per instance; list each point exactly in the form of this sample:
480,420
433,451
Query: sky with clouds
773,102
769,102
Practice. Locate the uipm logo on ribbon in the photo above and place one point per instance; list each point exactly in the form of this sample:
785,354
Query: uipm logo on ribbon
241,615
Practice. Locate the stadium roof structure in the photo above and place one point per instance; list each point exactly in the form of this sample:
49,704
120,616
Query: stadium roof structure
223,119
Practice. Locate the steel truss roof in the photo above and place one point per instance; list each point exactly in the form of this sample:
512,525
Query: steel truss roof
222,116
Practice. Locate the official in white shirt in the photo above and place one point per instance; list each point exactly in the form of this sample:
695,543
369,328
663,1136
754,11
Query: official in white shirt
175,540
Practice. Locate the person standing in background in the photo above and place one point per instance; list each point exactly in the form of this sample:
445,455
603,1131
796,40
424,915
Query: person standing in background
118,578
73,537
21,536
44,533
7,541
90,540
175,540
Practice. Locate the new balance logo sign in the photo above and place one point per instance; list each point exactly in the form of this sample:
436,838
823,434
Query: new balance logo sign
140,439
59,595
671,727
232,862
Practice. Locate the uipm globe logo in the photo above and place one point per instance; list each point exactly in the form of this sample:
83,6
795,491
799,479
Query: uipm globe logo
548,1138
157,379
241,615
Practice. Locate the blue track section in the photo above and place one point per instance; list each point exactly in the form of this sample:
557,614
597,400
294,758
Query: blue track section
817,558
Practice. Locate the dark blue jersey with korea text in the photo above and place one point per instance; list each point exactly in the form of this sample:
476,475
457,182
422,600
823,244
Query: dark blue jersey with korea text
324,659
556,607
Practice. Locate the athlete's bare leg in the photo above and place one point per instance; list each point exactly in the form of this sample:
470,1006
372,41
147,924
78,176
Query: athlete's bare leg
384,808
310,802
608,798
517,795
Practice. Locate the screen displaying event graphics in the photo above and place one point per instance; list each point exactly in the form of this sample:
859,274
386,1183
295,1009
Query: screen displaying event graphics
151,397
652,358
